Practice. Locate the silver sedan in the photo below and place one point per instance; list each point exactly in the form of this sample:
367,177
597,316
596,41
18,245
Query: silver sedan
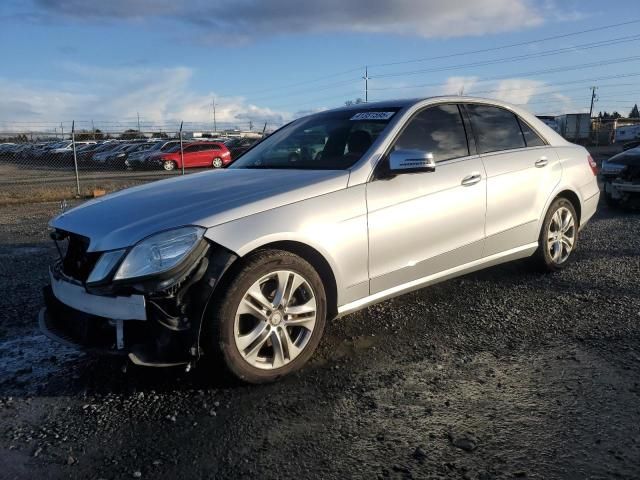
245,265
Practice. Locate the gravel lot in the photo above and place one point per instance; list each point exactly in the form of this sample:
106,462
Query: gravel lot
505,373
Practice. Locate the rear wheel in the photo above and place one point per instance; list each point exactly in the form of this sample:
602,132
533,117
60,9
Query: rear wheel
217,162
169,165
269,319
558,236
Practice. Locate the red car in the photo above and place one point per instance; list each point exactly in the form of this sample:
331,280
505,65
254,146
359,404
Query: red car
196,154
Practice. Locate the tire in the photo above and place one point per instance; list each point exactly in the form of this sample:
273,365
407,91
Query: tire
558,236
245,342
169,165
217,163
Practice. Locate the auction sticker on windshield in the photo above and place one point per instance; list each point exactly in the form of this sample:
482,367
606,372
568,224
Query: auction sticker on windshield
372,116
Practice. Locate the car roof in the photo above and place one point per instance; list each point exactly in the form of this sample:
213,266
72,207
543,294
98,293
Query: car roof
409,102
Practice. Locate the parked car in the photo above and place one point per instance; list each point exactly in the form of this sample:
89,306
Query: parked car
630,145
196,154
621,179
246,264
303,147
102,157
63,156
139,159
118,160
238,145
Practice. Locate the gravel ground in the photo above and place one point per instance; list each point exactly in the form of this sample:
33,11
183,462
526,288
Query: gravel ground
504,373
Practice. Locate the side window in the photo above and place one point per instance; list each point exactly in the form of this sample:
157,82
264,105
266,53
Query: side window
213,147
496,129
191,148
438,130
531,138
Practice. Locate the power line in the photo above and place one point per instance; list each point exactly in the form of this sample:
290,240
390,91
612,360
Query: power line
570,82
546,53
501,47
360,68
305,82
523,74
306,90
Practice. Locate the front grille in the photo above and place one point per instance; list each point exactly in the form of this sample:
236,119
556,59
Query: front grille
77,262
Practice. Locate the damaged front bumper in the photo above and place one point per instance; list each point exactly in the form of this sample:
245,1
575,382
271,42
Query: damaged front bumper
152,327
620,187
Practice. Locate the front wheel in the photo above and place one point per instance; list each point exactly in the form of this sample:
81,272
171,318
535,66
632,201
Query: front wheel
217,162
558,236
269,319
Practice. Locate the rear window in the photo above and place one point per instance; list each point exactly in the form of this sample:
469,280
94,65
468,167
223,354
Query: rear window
496,129
531,138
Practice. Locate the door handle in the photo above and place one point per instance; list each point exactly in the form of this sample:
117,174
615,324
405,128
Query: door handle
471,179
542,162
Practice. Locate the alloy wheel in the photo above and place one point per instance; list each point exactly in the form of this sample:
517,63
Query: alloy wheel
217,162
275,319
561,235
169,165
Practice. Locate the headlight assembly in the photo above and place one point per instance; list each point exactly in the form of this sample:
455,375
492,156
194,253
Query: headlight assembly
105,265
159,253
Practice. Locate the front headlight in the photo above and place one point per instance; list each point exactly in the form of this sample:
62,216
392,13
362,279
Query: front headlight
105,265
159,253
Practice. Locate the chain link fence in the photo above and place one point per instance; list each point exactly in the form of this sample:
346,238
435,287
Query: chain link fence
41,166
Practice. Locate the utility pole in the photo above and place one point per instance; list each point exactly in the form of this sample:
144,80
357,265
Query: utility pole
366,84
62,131
213,105
593,99
75,158
181,149
138,113
93,127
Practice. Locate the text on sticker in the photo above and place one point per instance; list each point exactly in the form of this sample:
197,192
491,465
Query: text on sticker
372,116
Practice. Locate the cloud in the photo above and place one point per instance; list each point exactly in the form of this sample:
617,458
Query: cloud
243,20
115,96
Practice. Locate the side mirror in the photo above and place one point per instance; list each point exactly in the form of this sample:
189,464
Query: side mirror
411,161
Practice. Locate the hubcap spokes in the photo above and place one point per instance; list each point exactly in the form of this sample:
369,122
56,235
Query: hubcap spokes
275,319
561,235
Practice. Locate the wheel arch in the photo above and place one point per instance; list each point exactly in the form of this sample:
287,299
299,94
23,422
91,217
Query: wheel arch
573,198
562,191
317,261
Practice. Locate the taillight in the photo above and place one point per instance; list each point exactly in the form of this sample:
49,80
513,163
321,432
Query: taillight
592,164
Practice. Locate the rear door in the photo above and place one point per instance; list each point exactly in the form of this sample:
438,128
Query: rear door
522,172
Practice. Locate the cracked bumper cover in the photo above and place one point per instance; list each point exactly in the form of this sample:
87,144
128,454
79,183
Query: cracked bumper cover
151,328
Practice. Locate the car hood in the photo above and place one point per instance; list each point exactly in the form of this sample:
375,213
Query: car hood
628,157
206,199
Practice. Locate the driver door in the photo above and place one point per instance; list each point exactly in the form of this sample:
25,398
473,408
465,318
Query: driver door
424,223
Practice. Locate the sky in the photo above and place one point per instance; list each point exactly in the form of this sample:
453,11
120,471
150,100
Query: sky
107,63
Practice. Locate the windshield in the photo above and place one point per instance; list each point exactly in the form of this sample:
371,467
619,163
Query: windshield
175,148
325,141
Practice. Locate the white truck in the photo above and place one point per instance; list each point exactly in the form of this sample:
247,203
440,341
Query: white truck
575,127
626,133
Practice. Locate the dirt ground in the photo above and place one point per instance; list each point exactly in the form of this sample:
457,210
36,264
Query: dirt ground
505,373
